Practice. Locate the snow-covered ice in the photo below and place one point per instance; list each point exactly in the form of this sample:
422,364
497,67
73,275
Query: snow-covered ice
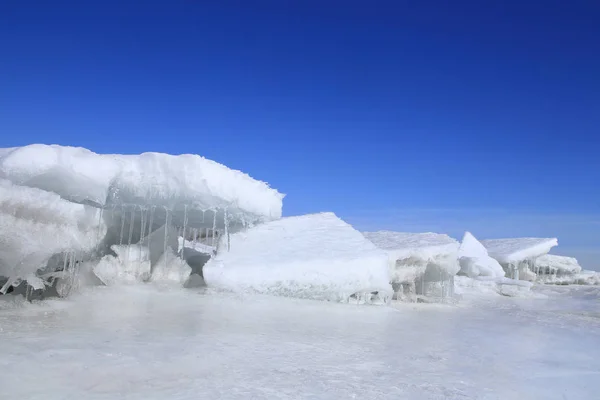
508,251
144,342
419,263
558,264
315,256
82,176
475,261
35,225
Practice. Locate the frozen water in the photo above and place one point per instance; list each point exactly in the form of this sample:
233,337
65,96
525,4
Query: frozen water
419,263
82,176
511,251
316,256
140,343
35,225
558,264
475,261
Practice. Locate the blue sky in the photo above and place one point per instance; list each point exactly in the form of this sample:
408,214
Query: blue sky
419,115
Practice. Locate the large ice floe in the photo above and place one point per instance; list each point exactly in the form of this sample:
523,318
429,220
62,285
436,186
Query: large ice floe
65,207
518,255
422,265
316,256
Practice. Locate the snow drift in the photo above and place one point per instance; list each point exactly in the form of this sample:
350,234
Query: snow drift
316,256
475,261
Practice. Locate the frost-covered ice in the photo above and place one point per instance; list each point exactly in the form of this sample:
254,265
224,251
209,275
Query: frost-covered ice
316,256
508,251
81,176
419,263
475,261
136,342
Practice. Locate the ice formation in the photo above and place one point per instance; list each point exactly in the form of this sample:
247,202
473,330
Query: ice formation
552,264
36,225
517,256
316,256
475,261
61,207
81,176
421,264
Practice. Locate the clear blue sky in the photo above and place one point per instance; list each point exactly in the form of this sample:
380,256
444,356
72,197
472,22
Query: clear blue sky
453,114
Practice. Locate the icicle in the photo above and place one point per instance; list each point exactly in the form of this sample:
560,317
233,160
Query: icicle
214,227
195,237
166,236
122,225
226,231
203,211
151,224
100,212
142,230
131,223
185,221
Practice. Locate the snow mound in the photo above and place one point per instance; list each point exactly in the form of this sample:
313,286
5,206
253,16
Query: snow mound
35,225
558,264
316,256
508,251
81,176
475,261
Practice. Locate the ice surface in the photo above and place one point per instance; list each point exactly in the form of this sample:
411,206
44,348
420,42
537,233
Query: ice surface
560,264
137,342
80,175
35,225
316,256
508,251
475,261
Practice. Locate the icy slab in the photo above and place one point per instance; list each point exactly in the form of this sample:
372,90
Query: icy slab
478,286
401,245
194,245
316,256
35,225
475,261
412,252
560,264
82,176
508,251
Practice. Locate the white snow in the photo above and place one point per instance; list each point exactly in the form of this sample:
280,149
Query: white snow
79,175
560,264
475,261
143,342
316,256
35,224
509,251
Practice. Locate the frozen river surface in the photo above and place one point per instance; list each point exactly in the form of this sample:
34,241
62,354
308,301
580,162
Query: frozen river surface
150,343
